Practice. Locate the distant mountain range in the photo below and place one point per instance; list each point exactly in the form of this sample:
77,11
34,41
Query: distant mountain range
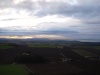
23,41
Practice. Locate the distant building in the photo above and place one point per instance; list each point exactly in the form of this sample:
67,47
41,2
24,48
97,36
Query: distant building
63,57
25,54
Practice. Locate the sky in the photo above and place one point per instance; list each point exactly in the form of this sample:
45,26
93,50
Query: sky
50,19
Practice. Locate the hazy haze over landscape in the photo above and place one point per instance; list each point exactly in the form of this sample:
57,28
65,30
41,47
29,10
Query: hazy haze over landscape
51,19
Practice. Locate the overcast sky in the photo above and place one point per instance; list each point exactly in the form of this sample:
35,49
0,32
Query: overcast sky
52,19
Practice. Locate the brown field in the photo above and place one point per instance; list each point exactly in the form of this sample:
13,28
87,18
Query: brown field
54,69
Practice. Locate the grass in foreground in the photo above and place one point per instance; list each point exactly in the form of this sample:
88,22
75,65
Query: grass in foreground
12,70
5,46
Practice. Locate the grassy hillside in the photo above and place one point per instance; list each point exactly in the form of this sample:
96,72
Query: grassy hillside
5,46
12,70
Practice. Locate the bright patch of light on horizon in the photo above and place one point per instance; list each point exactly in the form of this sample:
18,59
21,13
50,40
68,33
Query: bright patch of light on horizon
41,36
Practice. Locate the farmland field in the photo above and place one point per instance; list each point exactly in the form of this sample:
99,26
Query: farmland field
37,45
5,46
97,47
83,53
75,55
54,69
94,50
12,70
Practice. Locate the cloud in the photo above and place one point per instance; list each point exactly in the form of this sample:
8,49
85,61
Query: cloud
82,9
50,37
6,3
70,8
75,8
77,19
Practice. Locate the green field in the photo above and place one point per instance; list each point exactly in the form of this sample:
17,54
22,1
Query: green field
37,45
5,46
12,70
80,50
97,47
83,52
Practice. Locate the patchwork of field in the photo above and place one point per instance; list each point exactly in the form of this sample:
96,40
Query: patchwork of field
77,55
87,50
13,70
84,53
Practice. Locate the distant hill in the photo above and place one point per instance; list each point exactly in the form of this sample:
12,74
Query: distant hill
39,40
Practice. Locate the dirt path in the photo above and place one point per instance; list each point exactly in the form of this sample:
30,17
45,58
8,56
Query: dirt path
31,72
